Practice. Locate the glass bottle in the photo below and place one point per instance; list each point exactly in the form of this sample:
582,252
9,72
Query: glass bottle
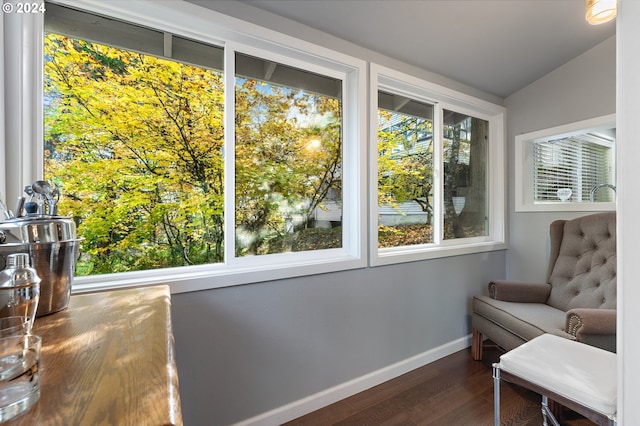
19,288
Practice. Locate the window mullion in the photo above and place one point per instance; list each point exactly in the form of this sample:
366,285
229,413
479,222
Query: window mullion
438,175
229,154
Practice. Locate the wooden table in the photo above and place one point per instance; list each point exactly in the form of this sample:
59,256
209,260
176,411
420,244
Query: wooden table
108,359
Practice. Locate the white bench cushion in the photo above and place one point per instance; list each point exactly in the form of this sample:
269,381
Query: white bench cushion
576,371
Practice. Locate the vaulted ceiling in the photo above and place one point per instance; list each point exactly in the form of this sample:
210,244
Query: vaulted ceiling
498,46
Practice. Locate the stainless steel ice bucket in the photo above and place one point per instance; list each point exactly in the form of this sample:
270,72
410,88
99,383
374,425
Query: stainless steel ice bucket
53,247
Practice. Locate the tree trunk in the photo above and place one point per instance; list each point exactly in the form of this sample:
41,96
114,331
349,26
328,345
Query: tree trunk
476,198
451,185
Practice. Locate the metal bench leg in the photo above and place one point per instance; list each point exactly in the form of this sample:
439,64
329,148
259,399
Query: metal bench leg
547,414
496,395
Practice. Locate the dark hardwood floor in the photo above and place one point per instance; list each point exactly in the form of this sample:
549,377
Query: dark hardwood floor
454,390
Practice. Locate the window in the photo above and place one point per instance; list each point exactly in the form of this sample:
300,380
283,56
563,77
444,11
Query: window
134,142
288,159
185,148
437,154
203,153
465,149
405,171
570,167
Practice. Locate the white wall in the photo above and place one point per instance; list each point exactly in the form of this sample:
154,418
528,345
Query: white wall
580,89
567,95
628,92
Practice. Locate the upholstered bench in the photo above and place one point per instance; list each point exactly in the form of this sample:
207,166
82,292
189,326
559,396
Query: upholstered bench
577,301
575,375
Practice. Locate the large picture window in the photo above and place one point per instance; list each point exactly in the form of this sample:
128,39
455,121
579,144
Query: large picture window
437,155
134,144
187,148
177,151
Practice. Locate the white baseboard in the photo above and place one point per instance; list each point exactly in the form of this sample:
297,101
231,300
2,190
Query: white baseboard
326,397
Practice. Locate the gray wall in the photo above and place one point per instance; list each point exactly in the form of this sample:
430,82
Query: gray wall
245,350
580,89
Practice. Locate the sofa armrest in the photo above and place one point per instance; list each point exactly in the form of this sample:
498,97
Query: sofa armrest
519,291
596,327
584,321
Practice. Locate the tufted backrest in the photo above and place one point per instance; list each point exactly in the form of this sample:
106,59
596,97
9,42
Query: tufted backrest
582,265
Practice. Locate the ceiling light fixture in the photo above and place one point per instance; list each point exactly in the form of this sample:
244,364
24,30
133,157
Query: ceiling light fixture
601,11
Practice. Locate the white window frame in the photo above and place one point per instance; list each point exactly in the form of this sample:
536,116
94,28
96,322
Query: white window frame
392,81
524,179
25,135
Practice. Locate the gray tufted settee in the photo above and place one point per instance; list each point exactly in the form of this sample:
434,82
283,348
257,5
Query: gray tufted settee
578,300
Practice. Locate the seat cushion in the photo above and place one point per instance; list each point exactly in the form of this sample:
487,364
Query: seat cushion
525,320
579,372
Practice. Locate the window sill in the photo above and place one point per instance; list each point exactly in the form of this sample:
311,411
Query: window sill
206,277
565,207
424,252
